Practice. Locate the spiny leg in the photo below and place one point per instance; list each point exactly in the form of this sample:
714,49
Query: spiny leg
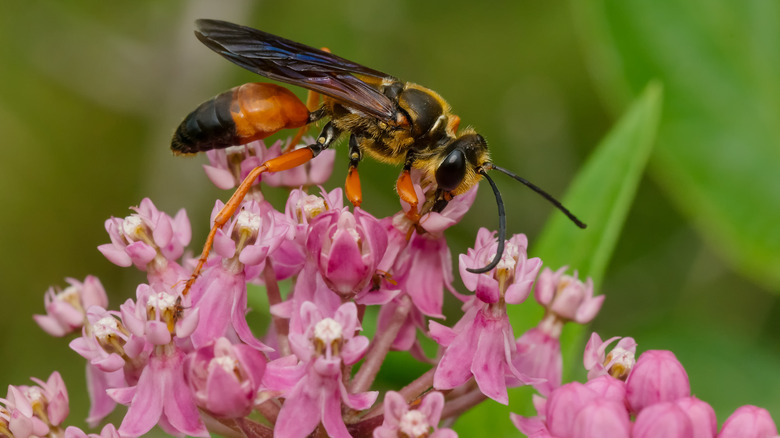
285,161
352,186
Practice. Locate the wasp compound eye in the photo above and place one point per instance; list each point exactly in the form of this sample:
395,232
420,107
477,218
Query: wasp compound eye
451,171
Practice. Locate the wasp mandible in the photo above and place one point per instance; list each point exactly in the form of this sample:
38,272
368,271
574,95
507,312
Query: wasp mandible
387,119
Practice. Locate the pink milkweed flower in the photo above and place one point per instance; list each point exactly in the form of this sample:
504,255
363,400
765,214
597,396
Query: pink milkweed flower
108,431
300,209
515,273
482,343
539,356
313,173
161,396
66,309
102,343
566,297
31,411
749,422
347,248
229,166
657,377
253,234
618,363
314,390
224,377
18,418
665,419
221,294
157,317
150,240
400,420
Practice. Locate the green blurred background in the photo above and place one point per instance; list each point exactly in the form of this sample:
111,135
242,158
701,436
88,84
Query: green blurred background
90,93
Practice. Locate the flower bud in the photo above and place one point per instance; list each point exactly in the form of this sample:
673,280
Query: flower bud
657,377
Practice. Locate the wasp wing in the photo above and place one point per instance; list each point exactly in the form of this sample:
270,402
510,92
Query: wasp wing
294,63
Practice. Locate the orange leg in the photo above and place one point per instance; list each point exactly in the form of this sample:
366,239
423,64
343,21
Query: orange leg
283,162
352,187
405,189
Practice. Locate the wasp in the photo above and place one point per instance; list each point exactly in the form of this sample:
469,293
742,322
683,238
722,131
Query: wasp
390,120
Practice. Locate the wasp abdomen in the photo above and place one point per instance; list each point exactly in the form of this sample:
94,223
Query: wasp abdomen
238,116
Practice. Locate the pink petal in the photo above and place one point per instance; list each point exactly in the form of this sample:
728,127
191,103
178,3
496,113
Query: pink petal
332,419
140,252
115,255
442,334
488,365
253,255
222,178
290,422
395,408
146,406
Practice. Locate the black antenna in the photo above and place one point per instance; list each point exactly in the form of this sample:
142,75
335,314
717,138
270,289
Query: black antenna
538,190
502,212
501,227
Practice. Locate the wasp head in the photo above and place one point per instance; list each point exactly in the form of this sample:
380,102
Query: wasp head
459,169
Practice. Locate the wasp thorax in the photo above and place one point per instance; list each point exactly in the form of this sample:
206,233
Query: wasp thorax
423,109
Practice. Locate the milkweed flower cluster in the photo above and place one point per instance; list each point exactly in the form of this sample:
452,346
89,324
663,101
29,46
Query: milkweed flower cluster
624,397
191,364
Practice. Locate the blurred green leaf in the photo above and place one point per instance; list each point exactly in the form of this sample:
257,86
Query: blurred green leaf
601,195
719,141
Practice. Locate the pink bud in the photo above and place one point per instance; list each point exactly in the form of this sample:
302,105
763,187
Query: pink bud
702,416
657,377
749,422
663,420
564,405
602,418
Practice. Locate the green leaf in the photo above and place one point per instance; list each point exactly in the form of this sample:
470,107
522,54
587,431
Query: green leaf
719,140
601,195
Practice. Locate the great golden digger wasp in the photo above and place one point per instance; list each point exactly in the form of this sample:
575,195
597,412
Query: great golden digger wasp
390,120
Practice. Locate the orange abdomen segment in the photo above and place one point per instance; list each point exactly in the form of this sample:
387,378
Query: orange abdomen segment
238,116
260,110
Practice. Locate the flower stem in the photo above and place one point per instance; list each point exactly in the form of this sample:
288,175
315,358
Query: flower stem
275,297
380,345
462,403
409,392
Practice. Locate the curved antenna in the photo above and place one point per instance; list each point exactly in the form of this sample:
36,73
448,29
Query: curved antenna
538,190
501,227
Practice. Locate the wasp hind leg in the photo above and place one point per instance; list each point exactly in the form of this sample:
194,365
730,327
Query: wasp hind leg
286,161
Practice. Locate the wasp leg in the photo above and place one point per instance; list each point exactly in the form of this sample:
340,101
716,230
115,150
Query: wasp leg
352,186
285,161
405,189
312,103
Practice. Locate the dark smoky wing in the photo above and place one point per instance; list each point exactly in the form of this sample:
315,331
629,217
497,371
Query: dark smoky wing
287,61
